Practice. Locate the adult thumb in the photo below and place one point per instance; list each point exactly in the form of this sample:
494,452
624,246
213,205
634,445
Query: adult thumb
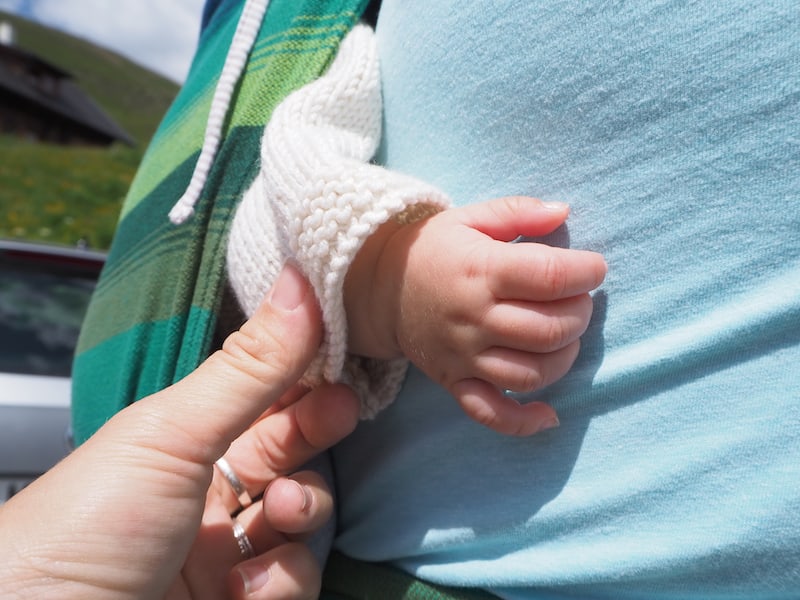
255,367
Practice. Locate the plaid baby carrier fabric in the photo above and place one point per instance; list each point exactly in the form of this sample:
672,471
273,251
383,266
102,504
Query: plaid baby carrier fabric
153,316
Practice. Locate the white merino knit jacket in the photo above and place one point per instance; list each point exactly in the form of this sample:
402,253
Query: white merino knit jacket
317,199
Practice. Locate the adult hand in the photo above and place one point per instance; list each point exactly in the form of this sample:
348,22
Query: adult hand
133,513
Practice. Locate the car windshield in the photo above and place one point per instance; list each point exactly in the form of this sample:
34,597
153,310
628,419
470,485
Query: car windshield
41,312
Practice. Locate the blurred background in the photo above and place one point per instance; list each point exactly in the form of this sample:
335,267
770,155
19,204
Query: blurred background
83,86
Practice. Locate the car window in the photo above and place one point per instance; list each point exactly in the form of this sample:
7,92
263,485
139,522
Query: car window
41,311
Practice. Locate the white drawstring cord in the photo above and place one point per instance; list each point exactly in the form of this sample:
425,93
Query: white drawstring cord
243,40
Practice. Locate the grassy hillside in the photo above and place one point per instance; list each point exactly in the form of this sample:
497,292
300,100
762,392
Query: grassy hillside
66,194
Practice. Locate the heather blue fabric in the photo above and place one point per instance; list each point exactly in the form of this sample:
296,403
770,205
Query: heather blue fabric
673,130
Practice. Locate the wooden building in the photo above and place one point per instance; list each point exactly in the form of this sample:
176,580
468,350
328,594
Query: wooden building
42,102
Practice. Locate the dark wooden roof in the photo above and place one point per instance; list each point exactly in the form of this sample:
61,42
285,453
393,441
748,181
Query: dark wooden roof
64,99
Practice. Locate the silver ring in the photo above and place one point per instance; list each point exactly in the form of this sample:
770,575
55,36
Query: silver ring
245,546
236,484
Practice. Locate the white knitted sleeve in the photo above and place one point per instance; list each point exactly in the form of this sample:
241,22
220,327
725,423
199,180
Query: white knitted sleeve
317,199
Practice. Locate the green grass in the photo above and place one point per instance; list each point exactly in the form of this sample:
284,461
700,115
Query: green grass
67,194
63,194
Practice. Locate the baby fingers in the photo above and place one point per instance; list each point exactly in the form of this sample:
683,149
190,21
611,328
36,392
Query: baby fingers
517,371
536,326
490,407
535,272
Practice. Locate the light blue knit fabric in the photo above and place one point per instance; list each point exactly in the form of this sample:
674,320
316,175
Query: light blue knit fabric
673,130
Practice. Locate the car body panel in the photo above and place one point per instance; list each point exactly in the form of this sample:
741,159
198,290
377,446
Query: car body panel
44,293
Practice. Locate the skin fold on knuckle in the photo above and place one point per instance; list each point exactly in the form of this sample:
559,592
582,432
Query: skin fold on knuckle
281,454
528,380
510,370
500,421
553,275
262,354
555,334
519,378
575,320
505,208
476,264
483,415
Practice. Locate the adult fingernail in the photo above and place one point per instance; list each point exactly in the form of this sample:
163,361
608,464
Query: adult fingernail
254,578
305,493
289,289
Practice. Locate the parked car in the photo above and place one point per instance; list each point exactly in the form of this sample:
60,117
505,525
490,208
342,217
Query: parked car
44,293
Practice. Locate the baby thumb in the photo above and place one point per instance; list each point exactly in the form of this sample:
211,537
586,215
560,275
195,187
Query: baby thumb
508,218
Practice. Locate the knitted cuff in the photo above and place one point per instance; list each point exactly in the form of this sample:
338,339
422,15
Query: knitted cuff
316,200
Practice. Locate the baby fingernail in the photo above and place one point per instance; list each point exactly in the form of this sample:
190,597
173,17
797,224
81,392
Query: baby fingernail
555,206
254,578
549,424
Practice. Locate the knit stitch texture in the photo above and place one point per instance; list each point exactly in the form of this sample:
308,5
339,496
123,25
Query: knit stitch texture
317,199
155,311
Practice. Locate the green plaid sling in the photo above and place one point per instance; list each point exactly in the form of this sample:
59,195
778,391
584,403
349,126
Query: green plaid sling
152,318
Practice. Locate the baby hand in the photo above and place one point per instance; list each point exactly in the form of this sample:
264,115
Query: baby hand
477,314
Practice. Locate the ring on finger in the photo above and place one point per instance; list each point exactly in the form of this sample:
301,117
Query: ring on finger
239,489
244,543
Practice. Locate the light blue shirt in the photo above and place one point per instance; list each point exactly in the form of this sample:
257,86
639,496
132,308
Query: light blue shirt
673,130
